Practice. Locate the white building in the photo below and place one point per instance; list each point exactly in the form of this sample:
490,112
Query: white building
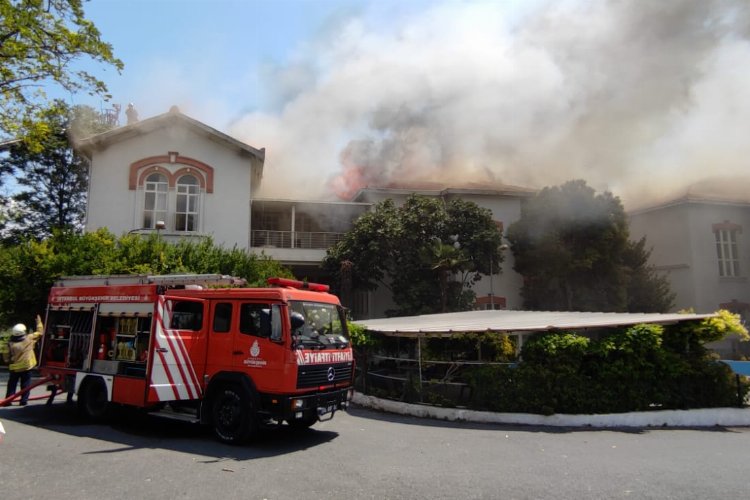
184,179
698,242
199,182
175,170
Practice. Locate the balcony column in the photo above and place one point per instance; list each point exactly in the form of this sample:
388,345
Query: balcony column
294,216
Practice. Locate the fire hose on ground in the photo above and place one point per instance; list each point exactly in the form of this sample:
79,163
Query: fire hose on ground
7,401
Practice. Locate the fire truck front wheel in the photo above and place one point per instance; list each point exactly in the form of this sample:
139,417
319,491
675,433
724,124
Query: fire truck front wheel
233,415
92,398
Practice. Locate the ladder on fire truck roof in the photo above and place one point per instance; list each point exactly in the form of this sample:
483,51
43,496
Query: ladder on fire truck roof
143,279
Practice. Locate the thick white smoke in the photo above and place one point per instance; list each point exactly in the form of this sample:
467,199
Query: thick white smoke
640,98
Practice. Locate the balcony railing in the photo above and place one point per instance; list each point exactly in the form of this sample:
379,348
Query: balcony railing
296,239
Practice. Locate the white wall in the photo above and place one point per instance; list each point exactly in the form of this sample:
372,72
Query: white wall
667,235
684,247
225,213
505,209
711,290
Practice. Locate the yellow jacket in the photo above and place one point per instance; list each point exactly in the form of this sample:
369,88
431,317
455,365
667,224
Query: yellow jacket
22,357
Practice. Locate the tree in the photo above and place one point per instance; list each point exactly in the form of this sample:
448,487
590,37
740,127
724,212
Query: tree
39,42
446,260
53,180
571,246
28,269
414,249
647,290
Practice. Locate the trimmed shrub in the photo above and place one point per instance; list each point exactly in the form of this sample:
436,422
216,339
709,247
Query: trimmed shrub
644,367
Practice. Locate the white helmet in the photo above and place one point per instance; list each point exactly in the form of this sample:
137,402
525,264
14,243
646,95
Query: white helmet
19,330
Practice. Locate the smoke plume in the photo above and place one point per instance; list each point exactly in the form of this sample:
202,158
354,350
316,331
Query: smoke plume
640,98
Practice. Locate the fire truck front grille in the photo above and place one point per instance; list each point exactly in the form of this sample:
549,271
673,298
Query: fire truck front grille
317,375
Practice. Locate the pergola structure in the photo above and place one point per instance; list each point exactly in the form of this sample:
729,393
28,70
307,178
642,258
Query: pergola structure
514,322
520,324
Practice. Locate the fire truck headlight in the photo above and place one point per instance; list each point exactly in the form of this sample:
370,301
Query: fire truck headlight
297,404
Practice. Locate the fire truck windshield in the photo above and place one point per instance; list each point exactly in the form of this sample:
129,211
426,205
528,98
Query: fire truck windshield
324,326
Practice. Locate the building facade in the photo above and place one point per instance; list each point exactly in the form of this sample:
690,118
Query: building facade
699,245
183,179
174,175
699,242
498,291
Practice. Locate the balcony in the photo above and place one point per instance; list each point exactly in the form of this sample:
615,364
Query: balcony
294,239
294,247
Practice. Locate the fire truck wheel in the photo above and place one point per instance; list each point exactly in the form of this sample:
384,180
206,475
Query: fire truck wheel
92,399
233,415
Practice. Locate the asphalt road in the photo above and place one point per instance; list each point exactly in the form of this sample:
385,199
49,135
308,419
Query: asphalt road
48,452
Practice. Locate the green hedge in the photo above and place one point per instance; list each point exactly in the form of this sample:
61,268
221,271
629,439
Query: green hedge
645,367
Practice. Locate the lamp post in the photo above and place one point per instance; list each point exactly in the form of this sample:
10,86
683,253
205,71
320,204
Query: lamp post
492,291
160,224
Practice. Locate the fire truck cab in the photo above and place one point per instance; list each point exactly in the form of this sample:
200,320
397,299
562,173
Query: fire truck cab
200,348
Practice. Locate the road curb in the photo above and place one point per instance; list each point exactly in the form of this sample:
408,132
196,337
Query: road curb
706,417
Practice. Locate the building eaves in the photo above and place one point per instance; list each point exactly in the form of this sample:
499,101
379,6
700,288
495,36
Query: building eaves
173,117
434,189
363,192
689,199
283,201
724,190
505,190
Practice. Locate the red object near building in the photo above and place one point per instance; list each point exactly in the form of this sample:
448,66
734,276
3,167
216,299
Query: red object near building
201,348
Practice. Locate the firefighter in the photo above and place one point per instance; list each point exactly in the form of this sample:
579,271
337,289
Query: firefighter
22,358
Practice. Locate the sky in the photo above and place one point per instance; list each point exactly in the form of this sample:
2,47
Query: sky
637,97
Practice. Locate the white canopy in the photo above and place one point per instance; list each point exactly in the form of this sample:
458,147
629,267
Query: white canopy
508,321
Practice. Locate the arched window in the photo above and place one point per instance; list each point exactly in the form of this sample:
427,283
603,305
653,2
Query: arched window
155,206
188,197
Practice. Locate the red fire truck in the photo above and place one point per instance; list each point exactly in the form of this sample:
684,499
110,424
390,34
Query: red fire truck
200,348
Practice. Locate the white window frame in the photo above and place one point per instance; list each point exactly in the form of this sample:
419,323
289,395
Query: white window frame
159,189
189,192
727,252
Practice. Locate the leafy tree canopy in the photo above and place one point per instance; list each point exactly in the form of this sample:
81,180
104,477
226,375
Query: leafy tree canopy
28,269
571,246
39,42
51,182
647,290
415,249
